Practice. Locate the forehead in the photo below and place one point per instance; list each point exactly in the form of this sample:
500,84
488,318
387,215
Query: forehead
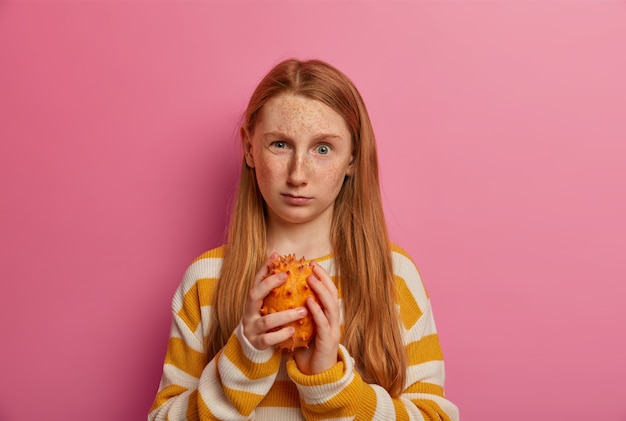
295,113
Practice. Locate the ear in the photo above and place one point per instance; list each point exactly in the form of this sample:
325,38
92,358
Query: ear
246,144
350,169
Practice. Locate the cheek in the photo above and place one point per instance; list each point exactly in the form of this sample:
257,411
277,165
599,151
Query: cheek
334,175
335,172
267,170
262,176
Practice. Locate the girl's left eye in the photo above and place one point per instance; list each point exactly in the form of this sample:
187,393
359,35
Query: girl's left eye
323,149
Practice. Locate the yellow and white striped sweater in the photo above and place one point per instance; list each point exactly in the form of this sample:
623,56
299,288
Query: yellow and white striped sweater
243,383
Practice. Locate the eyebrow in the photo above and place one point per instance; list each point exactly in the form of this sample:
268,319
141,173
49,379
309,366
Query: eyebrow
318,136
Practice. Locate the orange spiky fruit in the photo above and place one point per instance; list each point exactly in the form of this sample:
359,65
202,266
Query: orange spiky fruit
293,293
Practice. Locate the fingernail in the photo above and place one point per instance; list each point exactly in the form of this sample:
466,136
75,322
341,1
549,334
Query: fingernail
301,311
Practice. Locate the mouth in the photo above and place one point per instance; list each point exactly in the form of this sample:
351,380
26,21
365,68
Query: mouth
295,199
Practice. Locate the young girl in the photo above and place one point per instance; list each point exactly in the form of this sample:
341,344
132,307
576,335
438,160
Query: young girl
309,186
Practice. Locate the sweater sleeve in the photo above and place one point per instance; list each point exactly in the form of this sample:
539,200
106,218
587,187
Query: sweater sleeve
340,392
231,385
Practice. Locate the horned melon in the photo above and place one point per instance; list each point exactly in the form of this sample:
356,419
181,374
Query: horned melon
291,294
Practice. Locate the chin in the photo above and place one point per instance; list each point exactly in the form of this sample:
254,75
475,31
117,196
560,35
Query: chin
295,219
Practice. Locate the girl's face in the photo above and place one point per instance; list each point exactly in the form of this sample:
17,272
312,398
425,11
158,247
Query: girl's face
301,151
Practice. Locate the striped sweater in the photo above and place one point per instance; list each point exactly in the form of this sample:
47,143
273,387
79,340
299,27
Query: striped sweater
243,383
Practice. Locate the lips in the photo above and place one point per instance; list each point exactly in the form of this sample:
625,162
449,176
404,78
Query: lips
296,200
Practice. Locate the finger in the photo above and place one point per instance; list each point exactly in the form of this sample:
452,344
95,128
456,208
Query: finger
328,333
321,274
261,286
322,323
274,338
263,331
316,310
264,269
281,318
261,289
252,309
264,282
324,287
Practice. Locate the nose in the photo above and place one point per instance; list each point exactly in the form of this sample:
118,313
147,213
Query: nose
298,170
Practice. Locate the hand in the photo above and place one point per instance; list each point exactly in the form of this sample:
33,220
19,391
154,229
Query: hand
322,352
258,329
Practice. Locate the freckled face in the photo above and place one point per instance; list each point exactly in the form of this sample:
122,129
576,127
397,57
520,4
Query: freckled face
301,150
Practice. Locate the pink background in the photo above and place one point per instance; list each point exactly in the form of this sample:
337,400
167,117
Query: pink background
502,134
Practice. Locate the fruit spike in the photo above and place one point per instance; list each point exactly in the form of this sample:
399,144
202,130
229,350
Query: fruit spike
293,293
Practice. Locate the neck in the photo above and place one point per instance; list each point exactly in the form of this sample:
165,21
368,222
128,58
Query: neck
310,240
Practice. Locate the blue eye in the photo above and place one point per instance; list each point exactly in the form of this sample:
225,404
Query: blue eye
279,144
323,149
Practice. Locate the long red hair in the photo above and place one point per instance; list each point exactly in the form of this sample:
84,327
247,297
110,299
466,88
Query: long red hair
359,236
